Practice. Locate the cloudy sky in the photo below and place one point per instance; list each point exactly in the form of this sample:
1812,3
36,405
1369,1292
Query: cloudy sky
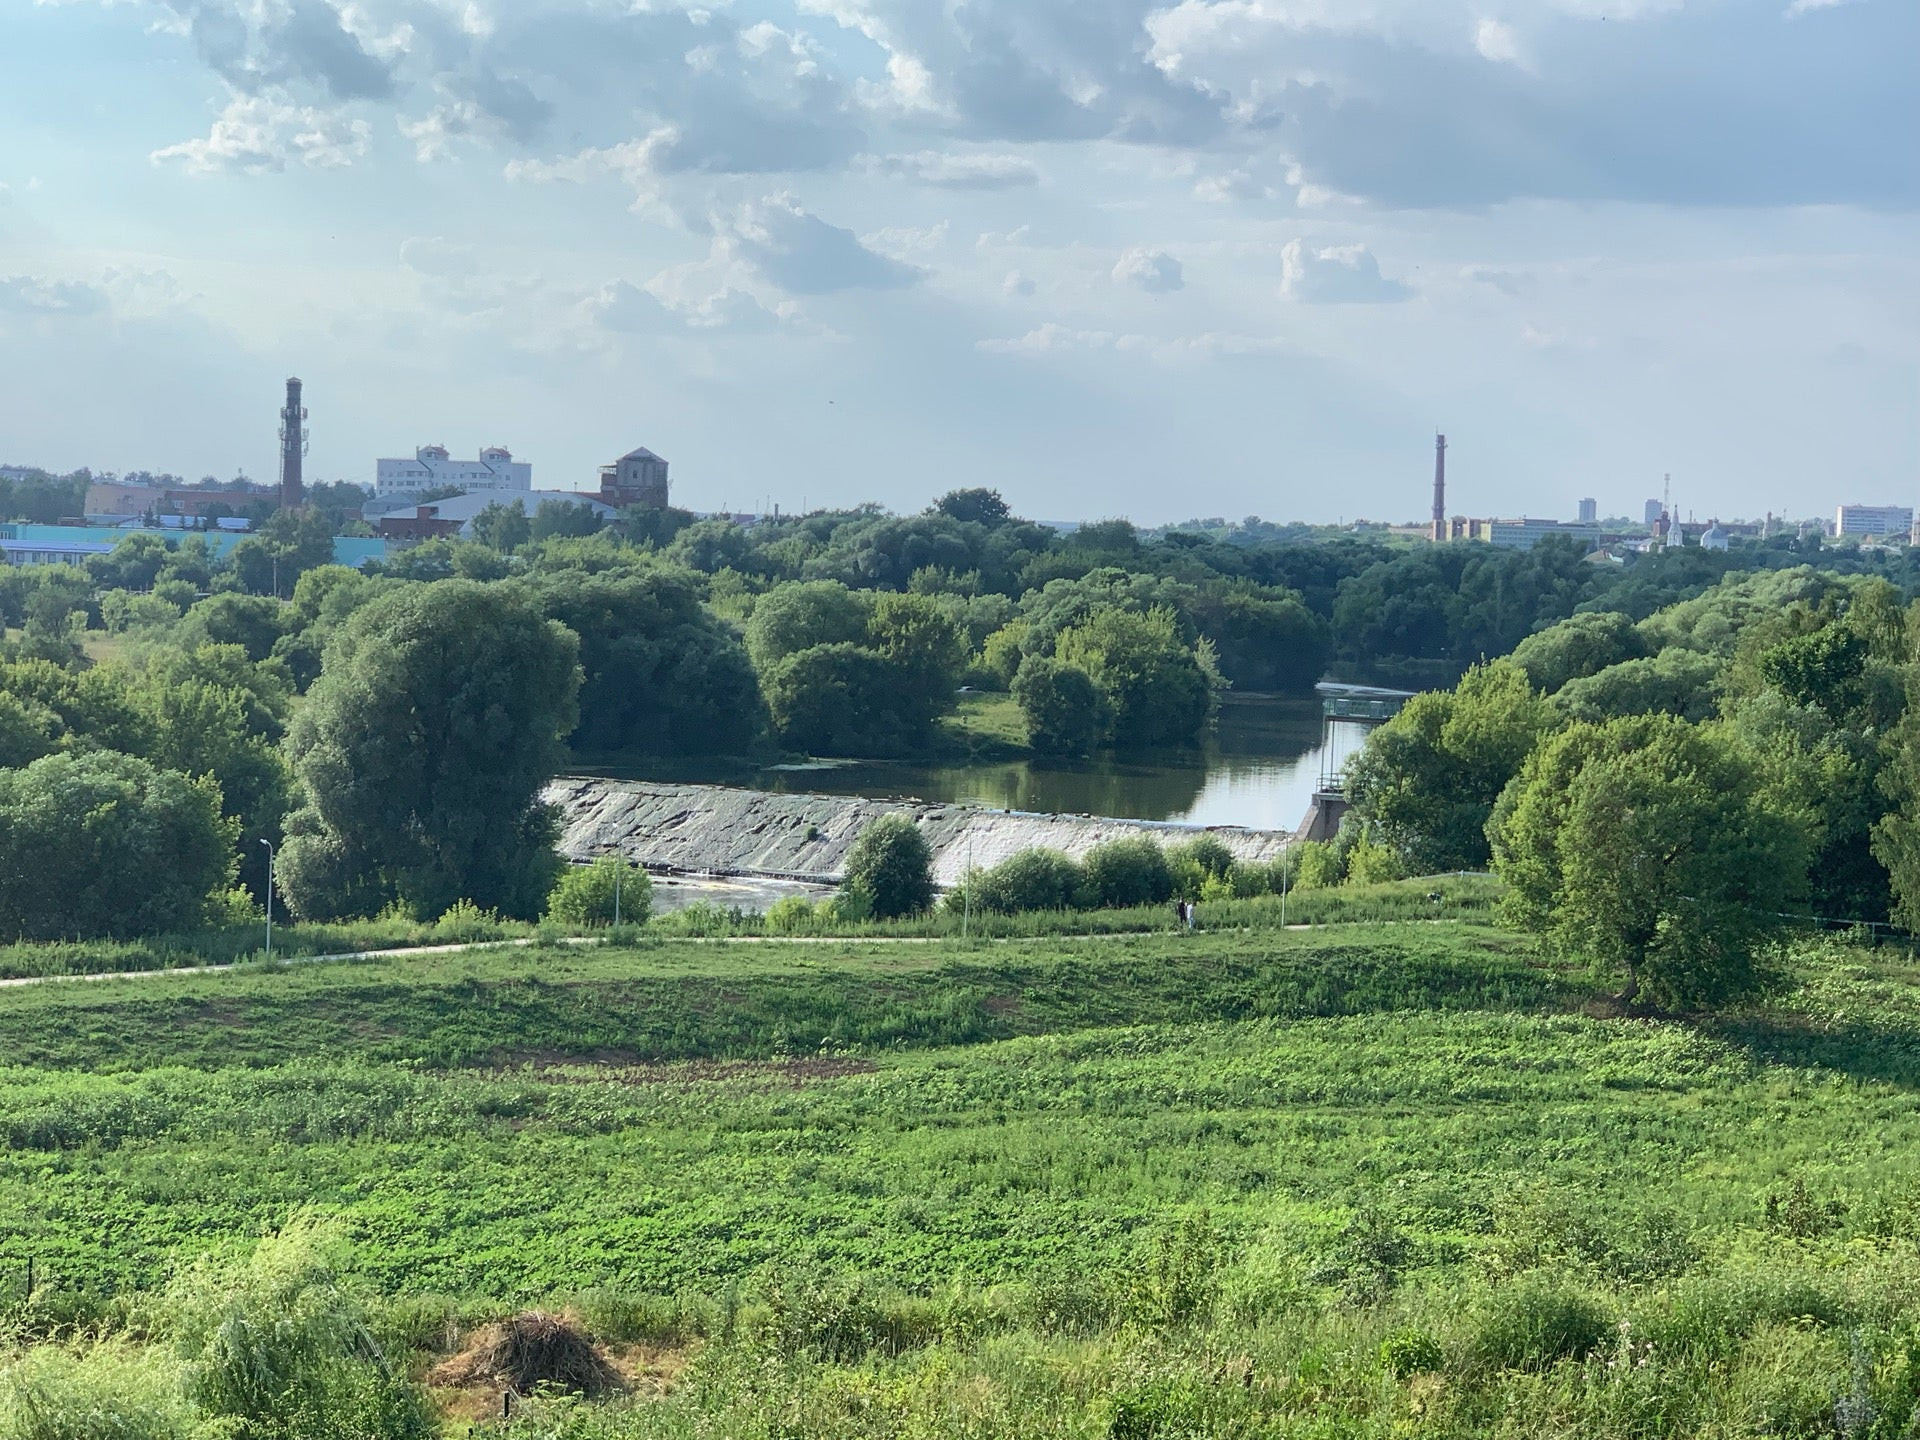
1209,257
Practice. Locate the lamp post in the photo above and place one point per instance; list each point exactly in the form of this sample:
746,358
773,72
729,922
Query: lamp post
1285,852
619,873
270,861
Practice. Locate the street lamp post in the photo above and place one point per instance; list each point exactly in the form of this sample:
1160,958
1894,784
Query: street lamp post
1285,852
270,862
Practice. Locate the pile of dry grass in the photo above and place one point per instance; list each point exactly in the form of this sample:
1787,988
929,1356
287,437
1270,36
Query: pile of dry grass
532,1349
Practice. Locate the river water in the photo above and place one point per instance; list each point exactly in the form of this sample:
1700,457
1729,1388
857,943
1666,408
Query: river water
1259,770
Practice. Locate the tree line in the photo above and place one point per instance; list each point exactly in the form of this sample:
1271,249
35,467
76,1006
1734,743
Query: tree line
1661,795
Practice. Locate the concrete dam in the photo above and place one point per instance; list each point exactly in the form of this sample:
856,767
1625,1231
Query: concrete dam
716,830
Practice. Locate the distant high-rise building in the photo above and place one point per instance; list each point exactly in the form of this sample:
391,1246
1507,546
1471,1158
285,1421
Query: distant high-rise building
1438,530
1873,520
1589,512
1654,507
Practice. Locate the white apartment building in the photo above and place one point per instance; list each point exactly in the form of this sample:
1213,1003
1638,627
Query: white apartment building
431,468
1873,520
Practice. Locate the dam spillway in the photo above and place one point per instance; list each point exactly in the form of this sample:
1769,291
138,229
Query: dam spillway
719,830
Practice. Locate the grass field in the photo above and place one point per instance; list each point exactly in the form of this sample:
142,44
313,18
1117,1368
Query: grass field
1372,1179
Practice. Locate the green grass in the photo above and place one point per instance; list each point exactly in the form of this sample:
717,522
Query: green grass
983,725
1154,1185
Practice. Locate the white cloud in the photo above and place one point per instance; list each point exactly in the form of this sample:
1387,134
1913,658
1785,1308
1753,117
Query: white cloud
802,254
626,309
35,295
255,133
958,172
1153,271
1497,41
1054,338
1339,274
1017,285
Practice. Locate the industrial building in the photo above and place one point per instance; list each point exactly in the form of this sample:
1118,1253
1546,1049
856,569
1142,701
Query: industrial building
638,477
1873,520
1524,534
432,468
455,515
1589,512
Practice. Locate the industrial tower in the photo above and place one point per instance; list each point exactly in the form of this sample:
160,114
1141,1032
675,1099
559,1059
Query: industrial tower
1439,532
293,449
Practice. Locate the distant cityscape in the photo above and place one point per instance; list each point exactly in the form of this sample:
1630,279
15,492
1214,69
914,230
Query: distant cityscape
433,495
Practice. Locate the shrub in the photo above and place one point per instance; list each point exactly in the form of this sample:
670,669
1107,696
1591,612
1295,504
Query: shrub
586,895
792,915
1535,1322
107,1393
1371,863
1030,880
1313,865
892,865
1123,873
1411,1351
1212,857
279,1347
465,923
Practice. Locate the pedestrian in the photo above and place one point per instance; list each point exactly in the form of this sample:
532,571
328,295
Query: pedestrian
1179,914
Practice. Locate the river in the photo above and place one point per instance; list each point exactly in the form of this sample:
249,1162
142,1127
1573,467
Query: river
1259,770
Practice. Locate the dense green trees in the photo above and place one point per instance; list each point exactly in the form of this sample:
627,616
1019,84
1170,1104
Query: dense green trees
1647,847
106,844
421,751
1428,779
1159,690
844,673
1578,646
662,675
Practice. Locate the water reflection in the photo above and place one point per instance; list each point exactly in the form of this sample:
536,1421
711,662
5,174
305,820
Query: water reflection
1260,770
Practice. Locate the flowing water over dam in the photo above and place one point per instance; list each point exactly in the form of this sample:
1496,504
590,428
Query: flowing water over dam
744,836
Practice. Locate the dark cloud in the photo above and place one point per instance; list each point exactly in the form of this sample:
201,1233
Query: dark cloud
1726,105
307,44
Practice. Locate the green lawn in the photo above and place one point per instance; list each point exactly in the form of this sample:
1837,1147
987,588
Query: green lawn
1372,1127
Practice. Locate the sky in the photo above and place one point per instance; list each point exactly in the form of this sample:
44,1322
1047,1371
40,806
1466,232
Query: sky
1110,257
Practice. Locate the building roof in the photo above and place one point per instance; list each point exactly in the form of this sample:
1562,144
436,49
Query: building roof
641,454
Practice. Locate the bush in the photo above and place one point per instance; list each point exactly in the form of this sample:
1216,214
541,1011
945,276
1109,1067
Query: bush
1129,872
1030,880
107,1393
792,915
589,895
1411,1352
892,865
1534,1322
1313,865
465,923
278,1347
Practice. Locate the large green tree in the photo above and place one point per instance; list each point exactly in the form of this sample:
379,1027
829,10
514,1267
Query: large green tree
1647,847
1158,688
106,844
421,752
1426,781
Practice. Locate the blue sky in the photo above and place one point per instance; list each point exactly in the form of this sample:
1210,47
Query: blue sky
1210,257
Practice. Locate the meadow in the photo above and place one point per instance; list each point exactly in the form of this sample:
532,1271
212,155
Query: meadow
1370,1178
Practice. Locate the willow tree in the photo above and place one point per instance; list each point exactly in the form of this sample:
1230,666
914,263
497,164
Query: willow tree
421,753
